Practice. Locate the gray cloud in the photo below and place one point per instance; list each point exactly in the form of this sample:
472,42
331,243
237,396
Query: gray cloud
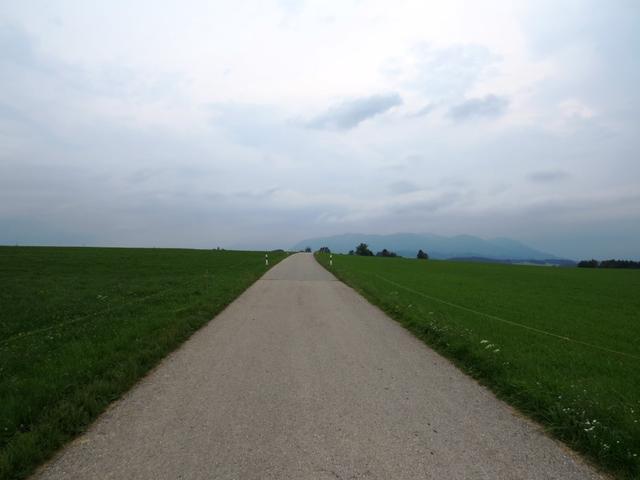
435,203
16,46
545,176
488,106
350,113
426,110
403,186
258,195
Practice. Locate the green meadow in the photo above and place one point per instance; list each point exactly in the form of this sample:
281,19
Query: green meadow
560,344
79,326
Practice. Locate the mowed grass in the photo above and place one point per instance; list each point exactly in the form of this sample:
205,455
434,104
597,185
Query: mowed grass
78,326
561,344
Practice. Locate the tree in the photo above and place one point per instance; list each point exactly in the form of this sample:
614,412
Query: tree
363,250
308,249
324,250
386,253
422,255
351,252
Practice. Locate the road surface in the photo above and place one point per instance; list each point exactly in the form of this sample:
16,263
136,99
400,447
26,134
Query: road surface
301,378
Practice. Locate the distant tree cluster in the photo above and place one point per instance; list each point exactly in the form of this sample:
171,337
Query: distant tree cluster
324,250
364,251
619,264
588,264
386,253
308,249
608,264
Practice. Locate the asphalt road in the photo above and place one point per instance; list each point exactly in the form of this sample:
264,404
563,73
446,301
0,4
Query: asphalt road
301,378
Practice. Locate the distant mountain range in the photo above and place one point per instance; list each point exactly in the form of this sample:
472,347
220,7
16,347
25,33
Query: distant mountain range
458,247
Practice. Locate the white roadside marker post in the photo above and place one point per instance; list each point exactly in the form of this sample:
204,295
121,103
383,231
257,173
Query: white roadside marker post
266,259
331,259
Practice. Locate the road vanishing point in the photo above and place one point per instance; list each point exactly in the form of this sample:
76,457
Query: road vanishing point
301,378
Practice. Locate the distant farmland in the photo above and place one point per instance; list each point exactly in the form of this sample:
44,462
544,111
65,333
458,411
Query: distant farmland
562,344
78,326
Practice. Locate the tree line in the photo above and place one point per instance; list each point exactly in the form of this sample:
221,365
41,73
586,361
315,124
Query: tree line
608,264
364,251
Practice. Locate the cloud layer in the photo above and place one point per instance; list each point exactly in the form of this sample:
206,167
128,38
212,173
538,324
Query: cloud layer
257,124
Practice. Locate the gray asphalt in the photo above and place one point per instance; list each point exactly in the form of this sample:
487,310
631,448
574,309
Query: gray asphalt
301,378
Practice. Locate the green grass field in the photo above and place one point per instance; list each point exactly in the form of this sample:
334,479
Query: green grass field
561,344
78,326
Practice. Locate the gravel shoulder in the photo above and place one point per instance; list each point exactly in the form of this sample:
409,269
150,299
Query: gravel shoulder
301,378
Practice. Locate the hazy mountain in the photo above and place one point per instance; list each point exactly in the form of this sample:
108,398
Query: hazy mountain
408,244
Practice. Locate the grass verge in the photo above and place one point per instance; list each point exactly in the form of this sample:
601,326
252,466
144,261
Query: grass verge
79,326
561,345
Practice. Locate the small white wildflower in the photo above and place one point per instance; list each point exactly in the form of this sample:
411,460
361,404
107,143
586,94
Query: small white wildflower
484,341
496,350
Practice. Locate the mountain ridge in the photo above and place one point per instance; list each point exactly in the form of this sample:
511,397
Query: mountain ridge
407,244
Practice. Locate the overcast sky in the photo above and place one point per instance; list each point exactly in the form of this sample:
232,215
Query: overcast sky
257,124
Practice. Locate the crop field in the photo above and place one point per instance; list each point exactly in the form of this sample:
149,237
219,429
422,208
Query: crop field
561,344
78,326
